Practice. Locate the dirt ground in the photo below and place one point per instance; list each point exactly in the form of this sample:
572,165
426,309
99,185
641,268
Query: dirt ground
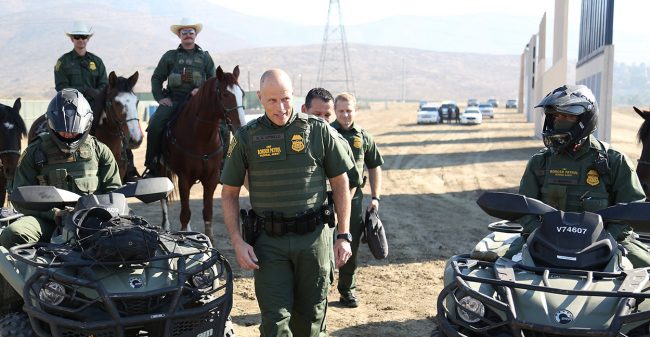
431,178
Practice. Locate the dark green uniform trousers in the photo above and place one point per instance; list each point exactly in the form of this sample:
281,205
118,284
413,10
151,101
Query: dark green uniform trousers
225,136
26,229
155,133
348,273
293,281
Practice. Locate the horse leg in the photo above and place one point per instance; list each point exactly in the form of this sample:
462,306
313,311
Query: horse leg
184,192
165,214
208,201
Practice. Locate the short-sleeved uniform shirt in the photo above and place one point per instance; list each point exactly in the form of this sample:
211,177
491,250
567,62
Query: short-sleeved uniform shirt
269,154
363,146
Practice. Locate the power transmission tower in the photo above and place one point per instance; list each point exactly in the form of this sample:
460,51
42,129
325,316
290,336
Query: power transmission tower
335,71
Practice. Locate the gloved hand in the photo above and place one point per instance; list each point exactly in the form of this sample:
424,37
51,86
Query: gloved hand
60,215
90,93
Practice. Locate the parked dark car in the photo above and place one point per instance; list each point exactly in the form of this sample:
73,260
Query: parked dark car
448,106
494,102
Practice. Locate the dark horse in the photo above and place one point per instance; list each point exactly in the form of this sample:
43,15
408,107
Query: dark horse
643,167
12,130
194,149
115,121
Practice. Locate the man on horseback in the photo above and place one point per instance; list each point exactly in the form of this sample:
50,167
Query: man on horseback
85,71
577,172
79,68
185,69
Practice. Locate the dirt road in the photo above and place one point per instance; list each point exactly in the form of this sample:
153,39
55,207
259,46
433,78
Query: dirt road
432,176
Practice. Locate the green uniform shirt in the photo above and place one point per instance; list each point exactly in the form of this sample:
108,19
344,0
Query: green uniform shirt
355,177
80,72
571,182
90,168
271,148
363,146
183,70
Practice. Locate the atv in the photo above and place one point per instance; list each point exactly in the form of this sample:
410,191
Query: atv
571,278
107,272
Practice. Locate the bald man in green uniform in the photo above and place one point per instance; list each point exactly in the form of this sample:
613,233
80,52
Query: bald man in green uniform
365,153
185,69
288,157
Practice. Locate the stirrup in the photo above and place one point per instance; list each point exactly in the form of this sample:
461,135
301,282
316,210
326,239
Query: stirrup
148,173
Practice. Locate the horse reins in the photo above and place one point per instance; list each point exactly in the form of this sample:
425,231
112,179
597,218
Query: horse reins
123,138
10,151
226,111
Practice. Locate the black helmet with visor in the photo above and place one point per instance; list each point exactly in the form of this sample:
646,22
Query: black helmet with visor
573,100
69,112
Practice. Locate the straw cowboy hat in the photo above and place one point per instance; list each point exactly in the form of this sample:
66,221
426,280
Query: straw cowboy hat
186,23
80,28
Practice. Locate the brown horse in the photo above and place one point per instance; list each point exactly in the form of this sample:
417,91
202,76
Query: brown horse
12,130
115,121
643,167
194,149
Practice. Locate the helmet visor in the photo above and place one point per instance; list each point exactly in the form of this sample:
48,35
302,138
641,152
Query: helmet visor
574,110
558,141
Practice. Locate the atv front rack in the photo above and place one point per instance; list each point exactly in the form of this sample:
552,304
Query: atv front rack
633,281
179,309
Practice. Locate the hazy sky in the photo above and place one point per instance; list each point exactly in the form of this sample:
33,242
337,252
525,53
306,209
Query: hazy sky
630,42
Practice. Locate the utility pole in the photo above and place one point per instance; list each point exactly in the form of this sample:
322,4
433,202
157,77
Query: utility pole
403,82
335,69
248,70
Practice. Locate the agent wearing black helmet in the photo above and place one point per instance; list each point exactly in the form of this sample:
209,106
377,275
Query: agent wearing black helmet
66,157
577,172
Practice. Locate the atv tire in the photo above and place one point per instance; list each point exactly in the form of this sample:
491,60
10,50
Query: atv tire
16,325
436,333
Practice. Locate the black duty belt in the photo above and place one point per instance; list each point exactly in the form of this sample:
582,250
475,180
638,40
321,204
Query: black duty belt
275,224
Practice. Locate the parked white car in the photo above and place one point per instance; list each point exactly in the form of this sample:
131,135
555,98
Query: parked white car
487,110
471,115
428,113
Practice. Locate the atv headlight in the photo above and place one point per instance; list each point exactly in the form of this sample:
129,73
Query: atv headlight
470,304
203,279
52,293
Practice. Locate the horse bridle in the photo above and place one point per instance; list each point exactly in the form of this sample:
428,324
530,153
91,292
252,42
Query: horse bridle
10,151
120,124
226,111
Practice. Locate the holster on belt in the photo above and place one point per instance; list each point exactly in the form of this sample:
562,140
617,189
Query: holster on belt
275,224
250,229
327,212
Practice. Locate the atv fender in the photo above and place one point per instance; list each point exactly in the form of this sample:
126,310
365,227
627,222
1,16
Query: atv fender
8,271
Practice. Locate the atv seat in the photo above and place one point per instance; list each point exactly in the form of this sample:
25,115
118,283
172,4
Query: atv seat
571,240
